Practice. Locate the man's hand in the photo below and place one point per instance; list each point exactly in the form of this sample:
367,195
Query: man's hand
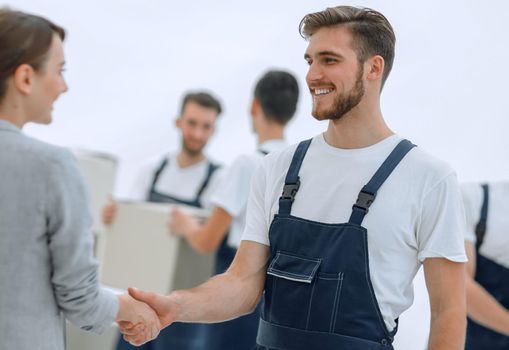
137,321
182,224
109,212
163,307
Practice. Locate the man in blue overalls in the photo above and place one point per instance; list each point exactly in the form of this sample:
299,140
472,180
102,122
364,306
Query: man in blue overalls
186,177
487,246
274,103
338,226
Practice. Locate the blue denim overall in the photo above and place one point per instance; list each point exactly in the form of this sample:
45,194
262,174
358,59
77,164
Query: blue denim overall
318,292
157,197
178,336
495,279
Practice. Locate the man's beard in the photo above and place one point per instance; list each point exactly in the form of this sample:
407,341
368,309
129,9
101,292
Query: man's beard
343,103
193,152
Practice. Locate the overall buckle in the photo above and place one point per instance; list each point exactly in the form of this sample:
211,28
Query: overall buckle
290,190
364,200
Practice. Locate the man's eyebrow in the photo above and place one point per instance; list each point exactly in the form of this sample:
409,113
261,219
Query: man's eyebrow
329,53
324,53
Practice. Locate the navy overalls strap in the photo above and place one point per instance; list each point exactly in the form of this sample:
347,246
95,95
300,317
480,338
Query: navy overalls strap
210,170
480,228
368,193
158,172
154,196
494,278
292,180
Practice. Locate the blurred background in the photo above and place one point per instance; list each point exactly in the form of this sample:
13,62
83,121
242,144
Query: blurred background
129,62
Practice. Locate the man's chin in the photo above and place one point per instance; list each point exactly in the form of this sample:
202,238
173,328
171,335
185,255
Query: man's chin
320,116
193,151
44,120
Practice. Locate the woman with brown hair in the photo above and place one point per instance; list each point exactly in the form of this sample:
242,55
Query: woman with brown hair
47,269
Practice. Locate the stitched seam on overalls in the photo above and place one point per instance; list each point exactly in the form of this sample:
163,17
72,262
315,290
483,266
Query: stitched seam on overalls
339,287
297,277
281,252
317,223
303,277
273,261
310,303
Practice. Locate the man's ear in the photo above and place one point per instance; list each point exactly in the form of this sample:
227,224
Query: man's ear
375,69
23,78
255,107
178,122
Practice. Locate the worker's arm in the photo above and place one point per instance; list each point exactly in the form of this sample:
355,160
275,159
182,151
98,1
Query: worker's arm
482,307
205,237
445,281
223,297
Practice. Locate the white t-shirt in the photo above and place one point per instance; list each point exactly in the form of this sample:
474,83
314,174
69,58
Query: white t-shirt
417,214
182,183
496,240
233,191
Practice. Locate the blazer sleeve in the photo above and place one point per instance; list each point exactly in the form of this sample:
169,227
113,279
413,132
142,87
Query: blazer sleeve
75,276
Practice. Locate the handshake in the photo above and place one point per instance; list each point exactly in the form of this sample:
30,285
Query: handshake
142,315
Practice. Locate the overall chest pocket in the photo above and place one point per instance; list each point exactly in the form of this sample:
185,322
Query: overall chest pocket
299,295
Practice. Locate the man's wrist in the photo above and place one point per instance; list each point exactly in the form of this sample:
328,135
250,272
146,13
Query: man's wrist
175,300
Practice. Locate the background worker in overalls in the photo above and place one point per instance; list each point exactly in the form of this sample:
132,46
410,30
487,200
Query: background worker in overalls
274,103
187,177
338,226
487,246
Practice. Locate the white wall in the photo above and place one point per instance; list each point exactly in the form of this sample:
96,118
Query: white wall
129,62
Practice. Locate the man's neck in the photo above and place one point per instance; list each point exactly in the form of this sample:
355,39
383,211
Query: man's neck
270,132
361,127
184,159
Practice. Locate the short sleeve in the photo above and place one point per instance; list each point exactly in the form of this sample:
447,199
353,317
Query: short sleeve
441,228
257,219
233,189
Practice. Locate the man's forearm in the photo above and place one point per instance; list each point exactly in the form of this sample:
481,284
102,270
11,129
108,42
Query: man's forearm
221,298
448,330
485,309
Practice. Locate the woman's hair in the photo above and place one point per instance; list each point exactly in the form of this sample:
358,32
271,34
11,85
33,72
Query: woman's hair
24,39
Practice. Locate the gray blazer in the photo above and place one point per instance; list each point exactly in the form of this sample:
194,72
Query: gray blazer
47,268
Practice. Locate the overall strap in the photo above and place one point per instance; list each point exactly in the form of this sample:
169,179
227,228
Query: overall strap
292,180
211,169
368,193
480,228
158,172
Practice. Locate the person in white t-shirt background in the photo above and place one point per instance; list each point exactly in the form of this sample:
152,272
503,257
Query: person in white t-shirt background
186,177
487,246
274,103
331,279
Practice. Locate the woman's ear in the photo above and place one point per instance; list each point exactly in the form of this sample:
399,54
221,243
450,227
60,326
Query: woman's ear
23,78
